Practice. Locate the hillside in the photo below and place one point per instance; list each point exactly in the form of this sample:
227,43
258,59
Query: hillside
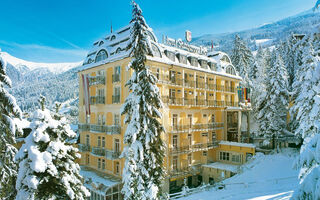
58,82
265,35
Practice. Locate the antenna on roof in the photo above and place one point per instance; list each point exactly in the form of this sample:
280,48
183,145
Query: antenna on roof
111,27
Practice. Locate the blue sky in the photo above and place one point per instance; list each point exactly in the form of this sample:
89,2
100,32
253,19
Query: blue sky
63,30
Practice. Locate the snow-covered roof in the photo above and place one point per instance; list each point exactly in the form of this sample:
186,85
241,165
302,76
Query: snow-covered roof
114,45
223,166
238,144
97,182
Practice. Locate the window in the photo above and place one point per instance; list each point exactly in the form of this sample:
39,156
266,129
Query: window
102,55
170,55
117,70
194,62
174,120
101,43
99,120
189,159
172,93
99,141
87,140
175,141
156,51
116,145
101,92
230,70
175,162
87,119
183,59
103,119
204,153
190,139
236,158
116,119
118,50
172,76
103,144
99,163
88,159
158,73
224,156
113,38
103,164
190,120
117,167
117,91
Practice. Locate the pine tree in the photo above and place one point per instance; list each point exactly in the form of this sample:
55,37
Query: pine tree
47,167
242,59
143,173
274,102
306,110
9,110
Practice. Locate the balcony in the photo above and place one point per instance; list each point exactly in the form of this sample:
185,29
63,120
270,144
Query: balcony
112,155
193,148
176,81
109,154
211,86
185,170
220,88
97,80
196,127
108,129
97,100
115,98
230,89
84,147
188,83
194,102
115,78
201,85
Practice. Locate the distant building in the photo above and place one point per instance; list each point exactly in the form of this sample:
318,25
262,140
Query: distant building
201,114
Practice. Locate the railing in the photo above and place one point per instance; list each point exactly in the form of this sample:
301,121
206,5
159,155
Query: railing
230,89
193,148
96,80
112,155
196,127
194,168
115,98
115,78
109,129
197,102
219,87
97,100
109,154
176,81
188,83
84,147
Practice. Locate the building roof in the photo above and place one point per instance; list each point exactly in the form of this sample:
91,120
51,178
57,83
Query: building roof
97,181
115,47
223,166
238,144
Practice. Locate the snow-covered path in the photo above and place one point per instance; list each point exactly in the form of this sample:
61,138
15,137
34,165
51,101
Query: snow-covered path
266,177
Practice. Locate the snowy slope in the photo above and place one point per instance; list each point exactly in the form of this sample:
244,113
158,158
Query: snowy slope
266,177
55,68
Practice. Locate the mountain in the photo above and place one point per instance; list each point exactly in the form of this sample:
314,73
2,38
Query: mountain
266,35
58,82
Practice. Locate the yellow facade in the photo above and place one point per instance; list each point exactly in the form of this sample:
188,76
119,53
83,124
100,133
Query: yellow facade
194,116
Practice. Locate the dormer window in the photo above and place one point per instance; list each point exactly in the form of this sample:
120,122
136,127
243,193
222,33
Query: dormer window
113,38
156,51
213,66
90,61
225,59
204,64
170,55
193,61
102,55
118,50
230,70
101,43
182,59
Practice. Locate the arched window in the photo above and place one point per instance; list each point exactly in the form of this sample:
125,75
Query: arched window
226,59
156,51
101,43
113,38
118,50
90,60
151,36
102,55
230,70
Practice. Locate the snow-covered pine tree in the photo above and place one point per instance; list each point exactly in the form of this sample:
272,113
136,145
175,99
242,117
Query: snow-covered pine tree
47,167
242,59
274,103
9,110
306,110
143,173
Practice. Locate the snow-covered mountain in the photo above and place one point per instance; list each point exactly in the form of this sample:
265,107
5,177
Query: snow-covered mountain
268,34
58,82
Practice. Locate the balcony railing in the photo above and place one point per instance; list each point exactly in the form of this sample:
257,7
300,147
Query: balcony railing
193,148
185,170
230,89
196,127
115,98
176,81
97,100
115,78
109,129
197,102
84,147
96,80
109,154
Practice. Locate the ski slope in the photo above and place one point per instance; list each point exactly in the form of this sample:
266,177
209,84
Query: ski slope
269,177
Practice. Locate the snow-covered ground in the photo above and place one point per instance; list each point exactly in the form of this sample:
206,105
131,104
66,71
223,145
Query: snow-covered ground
266,177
